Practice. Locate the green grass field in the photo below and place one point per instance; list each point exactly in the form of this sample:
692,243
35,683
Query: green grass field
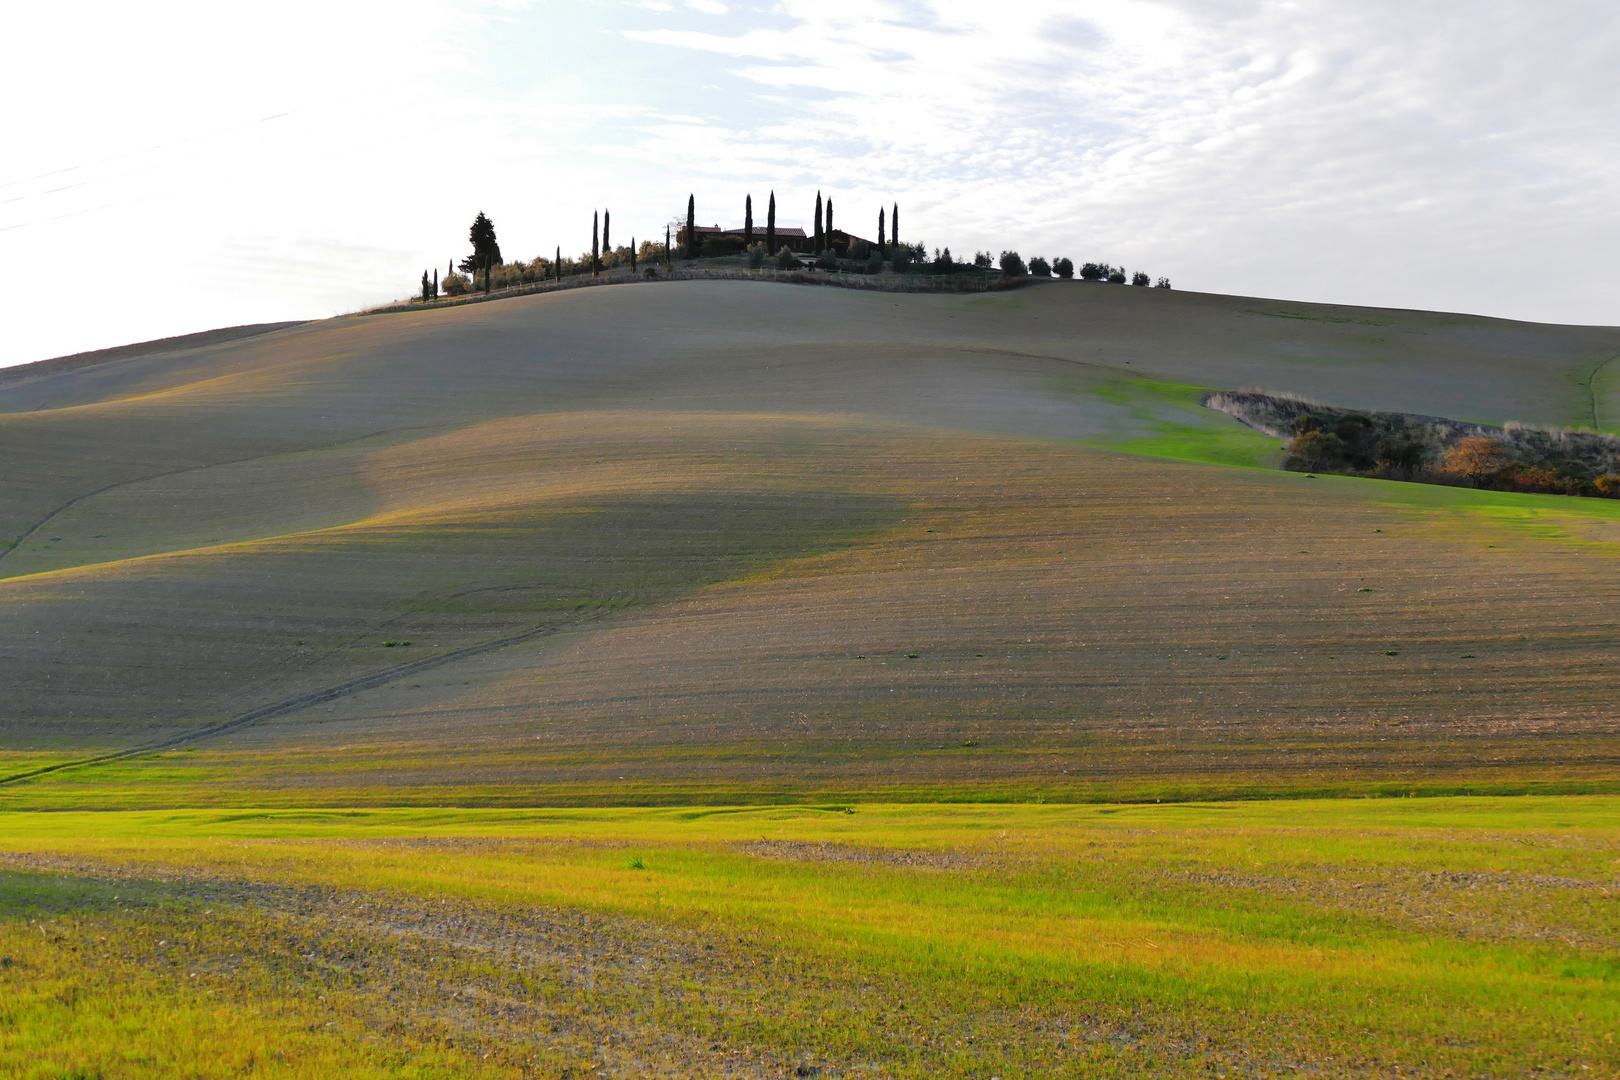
1434,936
724,679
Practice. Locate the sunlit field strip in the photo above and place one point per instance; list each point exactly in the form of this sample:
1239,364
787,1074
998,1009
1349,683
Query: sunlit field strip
1043,908
155,783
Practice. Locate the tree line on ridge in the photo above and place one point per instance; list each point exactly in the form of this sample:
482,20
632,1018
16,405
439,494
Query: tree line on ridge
824,248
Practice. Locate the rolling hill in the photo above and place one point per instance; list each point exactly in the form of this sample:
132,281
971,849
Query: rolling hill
731,540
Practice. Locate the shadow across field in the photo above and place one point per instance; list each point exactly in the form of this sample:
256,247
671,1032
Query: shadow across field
741,542
342,609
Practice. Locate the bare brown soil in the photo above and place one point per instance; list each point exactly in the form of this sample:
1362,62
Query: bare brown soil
60,365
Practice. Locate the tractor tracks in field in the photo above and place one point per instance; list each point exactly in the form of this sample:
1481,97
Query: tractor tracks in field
23,537
291,705
1591,390
71,503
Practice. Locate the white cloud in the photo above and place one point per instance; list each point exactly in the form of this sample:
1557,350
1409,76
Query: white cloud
183,144
1377,152
1445,155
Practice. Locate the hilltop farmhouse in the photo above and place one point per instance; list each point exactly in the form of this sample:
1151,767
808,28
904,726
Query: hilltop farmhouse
712,239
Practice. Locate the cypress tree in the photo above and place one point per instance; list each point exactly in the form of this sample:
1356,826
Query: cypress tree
486,250
435,283
607,245
770,225
595,260
829,223
880,229
691,226
667,255
820,237
632,254
425,287
748,221
894,226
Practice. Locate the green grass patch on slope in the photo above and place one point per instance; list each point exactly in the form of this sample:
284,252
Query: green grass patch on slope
1168,419
1172,422
1493,518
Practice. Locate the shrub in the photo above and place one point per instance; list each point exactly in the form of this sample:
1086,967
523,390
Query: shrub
1360,438
1359,444
756,256
454,285
717,246
1164,283
1116,275
1537,478
874,262
1064,268
1094,272
902,259
1140,279
1315,451
1476,458
1012,264
1404,454
786,260
515,273
943,263
1039,267
1401,446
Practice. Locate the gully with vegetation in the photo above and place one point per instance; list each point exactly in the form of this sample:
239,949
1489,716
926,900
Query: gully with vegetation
1431,449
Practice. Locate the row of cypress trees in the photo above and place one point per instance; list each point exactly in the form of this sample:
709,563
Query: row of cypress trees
487,251
596,252
823,225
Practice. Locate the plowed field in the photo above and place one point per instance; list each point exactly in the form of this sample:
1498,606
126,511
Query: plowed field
724,540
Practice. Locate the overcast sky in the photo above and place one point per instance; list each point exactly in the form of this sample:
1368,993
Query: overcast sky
171,167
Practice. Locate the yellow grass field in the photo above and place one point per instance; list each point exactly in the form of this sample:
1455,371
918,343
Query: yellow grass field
1460,937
